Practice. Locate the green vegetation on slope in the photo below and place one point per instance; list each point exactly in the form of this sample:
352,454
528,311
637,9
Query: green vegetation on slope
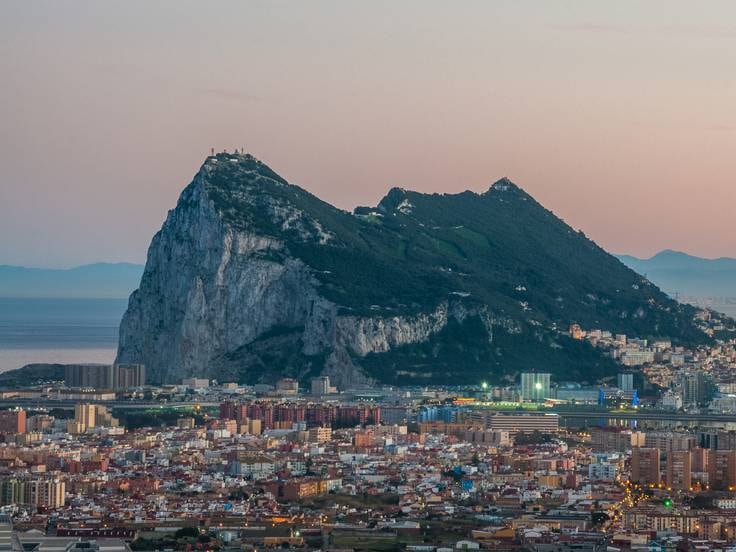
501,247
499,250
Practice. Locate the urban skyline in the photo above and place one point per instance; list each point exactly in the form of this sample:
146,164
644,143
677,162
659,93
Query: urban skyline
440,276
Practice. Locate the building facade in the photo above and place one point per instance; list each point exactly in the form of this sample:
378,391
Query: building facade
645,465
105,376
535,386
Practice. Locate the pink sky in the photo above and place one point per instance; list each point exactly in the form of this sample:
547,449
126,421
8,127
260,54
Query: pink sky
618,116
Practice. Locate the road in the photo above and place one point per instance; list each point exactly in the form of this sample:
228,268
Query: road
566,414
127,405
575,414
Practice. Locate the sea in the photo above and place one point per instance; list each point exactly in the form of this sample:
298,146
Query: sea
58,330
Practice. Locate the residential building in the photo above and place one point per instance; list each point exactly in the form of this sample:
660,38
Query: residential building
679,470
196,383
645,465
527,422
287,386
13,421
626,382
105,376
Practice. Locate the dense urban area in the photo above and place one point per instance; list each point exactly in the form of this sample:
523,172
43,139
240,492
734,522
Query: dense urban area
644,461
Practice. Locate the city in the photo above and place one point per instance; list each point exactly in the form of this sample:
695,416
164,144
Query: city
103,457
416,276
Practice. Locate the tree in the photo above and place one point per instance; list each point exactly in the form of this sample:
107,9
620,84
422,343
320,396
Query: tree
187,532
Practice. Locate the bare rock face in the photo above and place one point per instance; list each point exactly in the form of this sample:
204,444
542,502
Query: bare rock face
211,287
252,278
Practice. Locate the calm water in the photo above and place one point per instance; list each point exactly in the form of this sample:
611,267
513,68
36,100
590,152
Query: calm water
58,330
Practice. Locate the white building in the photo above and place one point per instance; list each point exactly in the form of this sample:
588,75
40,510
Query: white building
672,401
602,471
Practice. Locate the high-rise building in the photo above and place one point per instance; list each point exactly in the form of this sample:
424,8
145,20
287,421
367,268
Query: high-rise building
89,416
13,421
104,418
722,468
105,376
94,376
347,415
719,439
670,440
679,470
50,493
321,385
700,458
129,376
12,491
615,439
697,387
319,434
85,415
626,382
287,386
228,410
534,386
645,465
39,423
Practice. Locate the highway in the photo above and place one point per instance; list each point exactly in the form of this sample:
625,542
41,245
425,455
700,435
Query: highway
127,405
567,414
576,414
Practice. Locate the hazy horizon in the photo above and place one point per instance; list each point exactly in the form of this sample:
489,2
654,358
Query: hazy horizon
616,116
142,262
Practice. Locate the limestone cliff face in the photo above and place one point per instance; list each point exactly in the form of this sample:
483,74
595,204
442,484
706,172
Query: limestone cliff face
210,288
251,278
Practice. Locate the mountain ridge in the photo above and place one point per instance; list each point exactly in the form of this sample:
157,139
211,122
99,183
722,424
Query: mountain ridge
686,274
94,280
252,278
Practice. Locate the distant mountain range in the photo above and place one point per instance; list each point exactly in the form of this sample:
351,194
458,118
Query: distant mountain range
99,280
685,275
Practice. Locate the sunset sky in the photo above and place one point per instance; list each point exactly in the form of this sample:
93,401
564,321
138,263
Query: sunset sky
618,116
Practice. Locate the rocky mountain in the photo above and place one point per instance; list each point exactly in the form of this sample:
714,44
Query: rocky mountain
99,280
251,278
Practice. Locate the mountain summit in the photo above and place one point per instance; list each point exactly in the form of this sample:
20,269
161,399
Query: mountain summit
252,278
